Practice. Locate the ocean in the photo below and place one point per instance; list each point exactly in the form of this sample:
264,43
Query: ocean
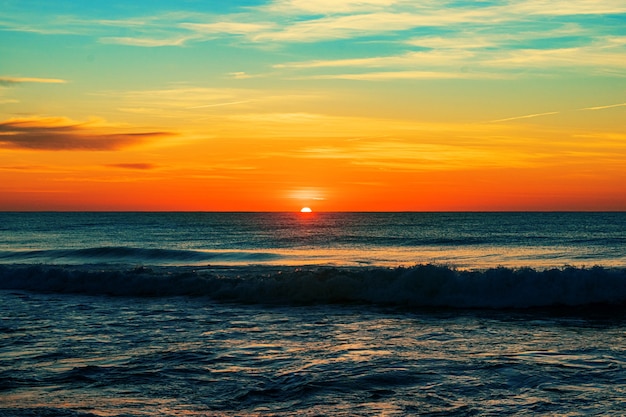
312,314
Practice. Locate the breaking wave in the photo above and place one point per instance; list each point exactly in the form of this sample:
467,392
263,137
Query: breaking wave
414,287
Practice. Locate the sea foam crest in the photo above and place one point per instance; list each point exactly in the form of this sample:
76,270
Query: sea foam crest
418,286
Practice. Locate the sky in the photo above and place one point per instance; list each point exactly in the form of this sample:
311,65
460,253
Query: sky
340,105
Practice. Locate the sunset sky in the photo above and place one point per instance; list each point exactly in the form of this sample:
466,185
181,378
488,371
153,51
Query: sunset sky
339,105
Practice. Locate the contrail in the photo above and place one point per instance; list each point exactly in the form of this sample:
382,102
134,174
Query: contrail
528,116
219,104
604,107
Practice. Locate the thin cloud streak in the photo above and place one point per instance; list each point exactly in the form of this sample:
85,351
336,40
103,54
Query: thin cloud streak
142,166
327,6
9,81
236,28
231,103
404,75
146,42
527,116
610,106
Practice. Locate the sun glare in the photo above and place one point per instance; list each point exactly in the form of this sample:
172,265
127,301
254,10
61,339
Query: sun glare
306,210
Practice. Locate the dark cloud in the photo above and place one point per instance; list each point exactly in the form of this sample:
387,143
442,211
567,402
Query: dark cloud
135,165
21,167
62,135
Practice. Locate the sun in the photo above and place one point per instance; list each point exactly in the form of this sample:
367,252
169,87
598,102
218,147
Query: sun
306,210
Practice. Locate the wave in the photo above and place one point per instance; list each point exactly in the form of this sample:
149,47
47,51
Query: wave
123,254
418,286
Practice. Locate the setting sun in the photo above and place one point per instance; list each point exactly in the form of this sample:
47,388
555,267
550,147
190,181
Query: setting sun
306,210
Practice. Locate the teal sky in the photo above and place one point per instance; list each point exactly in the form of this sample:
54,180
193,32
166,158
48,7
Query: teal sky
316,40
196,69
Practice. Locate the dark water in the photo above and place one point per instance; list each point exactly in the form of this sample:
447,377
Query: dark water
465,240
348,314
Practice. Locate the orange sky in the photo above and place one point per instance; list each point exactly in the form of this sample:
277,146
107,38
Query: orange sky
341,106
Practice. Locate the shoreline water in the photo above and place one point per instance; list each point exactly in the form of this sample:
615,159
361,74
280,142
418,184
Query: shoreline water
76,355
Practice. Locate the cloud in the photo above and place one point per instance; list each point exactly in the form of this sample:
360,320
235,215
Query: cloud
235,28
313,20
133,165
466,55
523,7
195,104
610,106
408,155
530,116
423,40
348,26
567,7
409,59
329,6
160,33
178,96
527,116
494,52
230,103
58,134
404,75
595,56
240,75
10,81
146,42
22,168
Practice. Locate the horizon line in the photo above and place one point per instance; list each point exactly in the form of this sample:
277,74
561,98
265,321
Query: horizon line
315,212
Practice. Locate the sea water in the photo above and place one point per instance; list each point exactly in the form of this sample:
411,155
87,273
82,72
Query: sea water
347,314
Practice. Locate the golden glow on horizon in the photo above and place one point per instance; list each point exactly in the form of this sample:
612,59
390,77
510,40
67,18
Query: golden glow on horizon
306,210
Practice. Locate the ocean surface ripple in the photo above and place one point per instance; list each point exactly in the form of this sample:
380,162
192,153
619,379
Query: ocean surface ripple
324,314
78,355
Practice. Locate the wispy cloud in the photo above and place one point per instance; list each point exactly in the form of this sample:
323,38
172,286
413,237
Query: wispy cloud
527,116
426,36
567,7
10,81
587,56
356,25
426,39
230,103
237,28
175,29
241,75
147,42
402,75
58,134
464,56
408,59
412,156
610,106
530,116
328,6
195,104
142,166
